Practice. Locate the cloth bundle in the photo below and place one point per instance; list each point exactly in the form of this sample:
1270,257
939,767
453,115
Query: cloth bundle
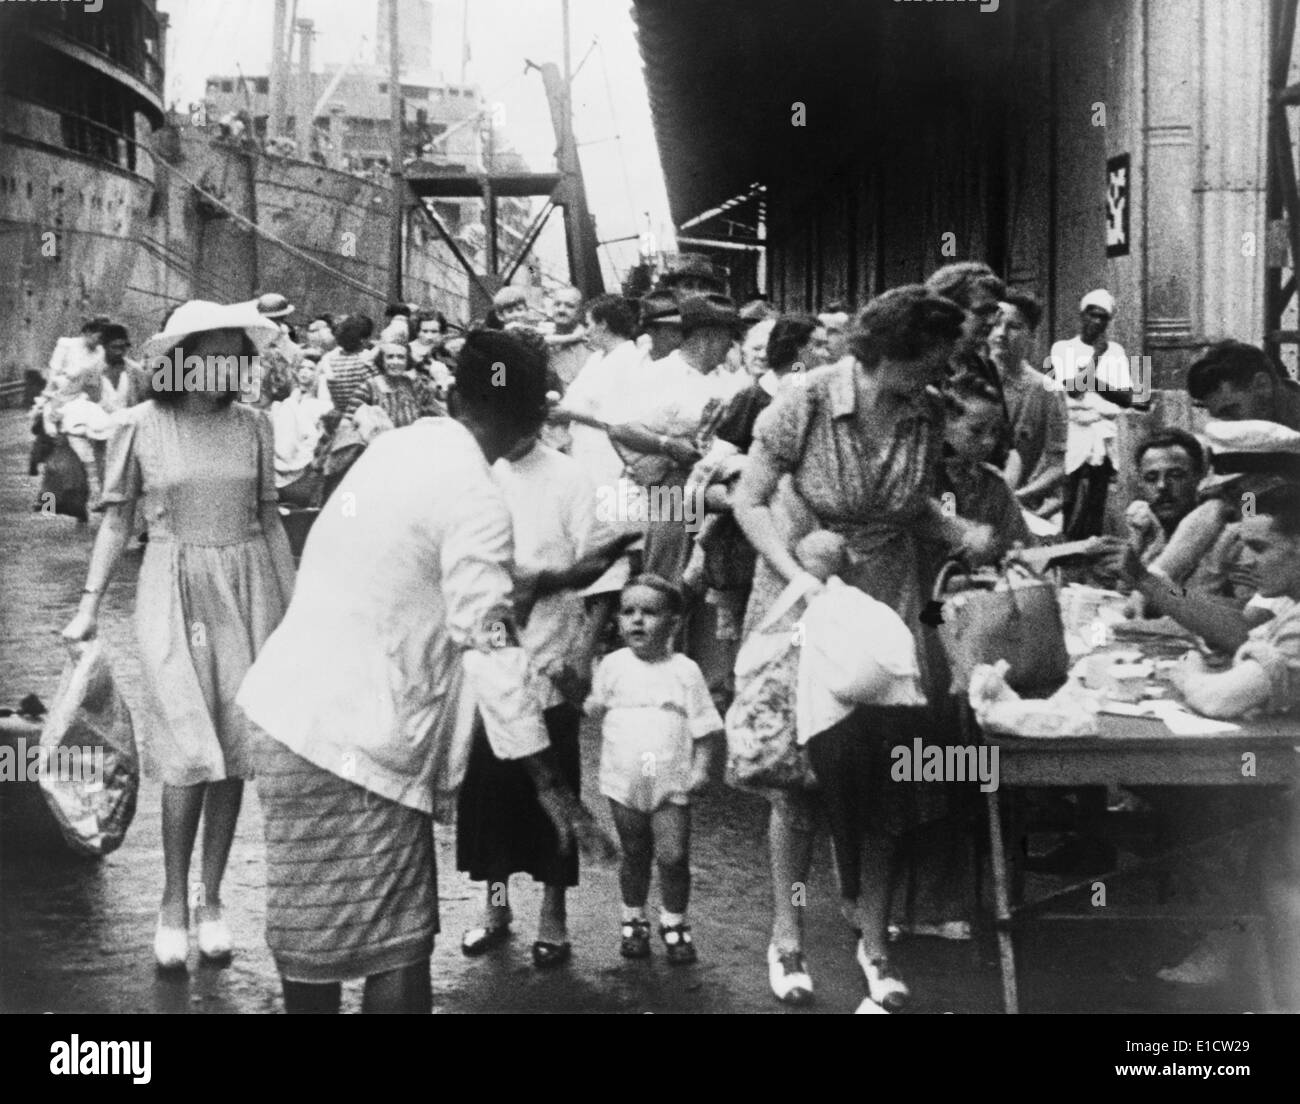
804,668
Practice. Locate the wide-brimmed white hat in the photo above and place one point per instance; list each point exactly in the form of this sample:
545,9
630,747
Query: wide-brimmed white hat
199,316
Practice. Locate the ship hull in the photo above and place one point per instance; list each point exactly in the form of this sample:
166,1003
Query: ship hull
134,249
68,240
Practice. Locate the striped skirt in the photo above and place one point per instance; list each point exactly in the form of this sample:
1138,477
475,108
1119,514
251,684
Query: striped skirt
351,877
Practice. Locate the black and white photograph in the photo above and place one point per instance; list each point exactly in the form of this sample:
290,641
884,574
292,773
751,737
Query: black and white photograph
651,506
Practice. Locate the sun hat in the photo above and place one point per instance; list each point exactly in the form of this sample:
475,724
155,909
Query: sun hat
274,305
200,316
1099,298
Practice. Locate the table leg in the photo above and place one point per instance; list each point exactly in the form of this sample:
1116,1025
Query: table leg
1261,962
1006,948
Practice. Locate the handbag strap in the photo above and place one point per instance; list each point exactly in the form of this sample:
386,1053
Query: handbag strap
789,598
1022,569
946,572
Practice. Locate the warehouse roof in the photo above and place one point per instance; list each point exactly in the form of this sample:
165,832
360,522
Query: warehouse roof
725,78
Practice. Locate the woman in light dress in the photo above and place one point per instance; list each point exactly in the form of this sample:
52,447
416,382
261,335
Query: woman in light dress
216,578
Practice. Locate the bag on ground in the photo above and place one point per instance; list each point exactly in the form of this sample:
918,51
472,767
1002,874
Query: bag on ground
90,771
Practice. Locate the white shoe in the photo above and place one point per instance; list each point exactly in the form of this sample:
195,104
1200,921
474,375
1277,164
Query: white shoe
171,947
884,987
788,975
215,941
868,1007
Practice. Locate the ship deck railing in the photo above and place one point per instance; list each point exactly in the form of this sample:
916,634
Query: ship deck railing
93,139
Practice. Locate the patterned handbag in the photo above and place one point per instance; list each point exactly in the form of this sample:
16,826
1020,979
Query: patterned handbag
762,745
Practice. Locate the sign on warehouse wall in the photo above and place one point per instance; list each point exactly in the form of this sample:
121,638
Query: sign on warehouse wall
1118,191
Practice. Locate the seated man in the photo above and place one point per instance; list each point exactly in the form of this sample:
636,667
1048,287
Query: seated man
1264,678
1234,382
1171,464
1265,672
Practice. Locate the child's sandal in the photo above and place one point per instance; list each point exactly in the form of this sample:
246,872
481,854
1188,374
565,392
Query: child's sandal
636,939
678,942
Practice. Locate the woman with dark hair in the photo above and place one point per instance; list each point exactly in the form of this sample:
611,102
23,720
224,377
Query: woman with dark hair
561,545
216,578
358,694
347,366
978,290
860,444
430,328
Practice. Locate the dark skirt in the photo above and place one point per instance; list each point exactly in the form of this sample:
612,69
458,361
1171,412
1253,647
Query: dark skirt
500,827
351,877
853,762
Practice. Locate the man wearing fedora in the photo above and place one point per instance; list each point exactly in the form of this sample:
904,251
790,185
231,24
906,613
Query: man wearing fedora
659,331
672,424
692,274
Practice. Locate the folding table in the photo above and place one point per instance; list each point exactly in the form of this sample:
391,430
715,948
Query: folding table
1128,751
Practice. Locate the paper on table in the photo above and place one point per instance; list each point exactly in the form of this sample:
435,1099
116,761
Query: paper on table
1178,720
1182,723
1126,709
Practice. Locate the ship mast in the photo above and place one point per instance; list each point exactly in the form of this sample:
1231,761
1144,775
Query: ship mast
279,70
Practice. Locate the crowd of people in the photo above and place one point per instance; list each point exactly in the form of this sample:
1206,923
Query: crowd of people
536,519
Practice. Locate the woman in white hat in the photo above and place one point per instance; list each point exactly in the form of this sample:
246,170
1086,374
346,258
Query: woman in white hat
215,581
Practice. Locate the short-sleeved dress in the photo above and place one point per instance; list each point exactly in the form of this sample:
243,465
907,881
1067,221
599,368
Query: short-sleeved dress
874,492
208,594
